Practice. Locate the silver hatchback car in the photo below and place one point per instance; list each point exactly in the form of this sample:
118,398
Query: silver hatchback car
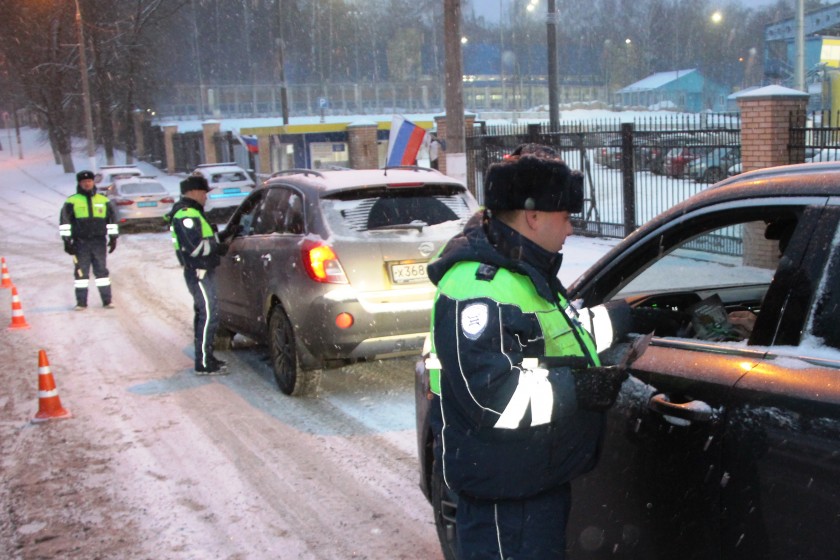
329,267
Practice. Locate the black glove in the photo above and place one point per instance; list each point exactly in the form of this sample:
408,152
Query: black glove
596,388
68,247
112,244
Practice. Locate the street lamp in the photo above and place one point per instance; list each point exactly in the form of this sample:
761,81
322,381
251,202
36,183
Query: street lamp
85,91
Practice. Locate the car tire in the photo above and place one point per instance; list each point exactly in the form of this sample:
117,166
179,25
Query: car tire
444,505
291,380
223,340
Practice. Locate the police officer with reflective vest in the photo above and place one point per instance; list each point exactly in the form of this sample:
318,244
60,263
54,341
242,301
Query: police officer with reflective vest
87,224
198,247
521,388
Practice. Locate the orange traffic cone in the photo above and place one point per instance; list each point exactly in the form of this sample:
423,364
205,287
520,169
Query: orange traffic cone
6,281
49,405
18,320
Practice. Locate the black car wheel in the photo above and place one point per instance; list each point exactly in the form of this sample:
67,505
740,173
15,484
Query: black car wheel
444,504
290,378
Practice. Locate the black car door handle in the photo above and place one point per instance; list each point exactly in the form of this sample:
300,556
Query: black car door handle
692,411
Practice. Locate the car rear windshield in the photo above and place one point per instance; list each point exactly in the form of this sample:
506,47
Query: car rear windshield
395,208
142,188
228,177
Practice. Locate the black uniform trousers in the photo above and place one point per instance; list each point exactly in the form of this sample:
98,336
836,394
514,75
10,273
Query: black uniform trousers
529,529
91,252
202,285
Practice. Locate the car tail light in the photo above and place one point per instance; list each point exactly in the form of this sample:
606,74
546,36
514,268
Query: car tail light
123,202
321,263
398,185
167,200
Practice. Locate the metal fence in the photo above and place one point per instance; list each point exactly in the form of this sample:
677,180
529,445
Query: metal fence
632,170
816,137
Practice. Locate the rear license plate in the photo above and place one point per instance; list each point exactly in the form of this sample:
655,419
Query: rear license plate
403,273
232,190
146,204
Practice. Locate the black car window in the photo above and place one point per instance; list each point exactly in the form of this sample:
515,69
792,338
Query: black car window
271,215
826,311
717,279
246,213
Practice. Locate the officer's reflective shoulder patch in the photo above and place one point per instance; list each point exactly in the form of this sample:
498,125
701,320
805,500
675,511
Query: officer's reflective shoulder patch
188,223
474,320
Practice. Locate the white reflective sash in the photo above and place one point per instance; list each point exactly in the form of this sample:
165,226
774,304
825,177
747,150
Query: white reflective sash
81,283
64,230
535,389
103,281
597,322
202,249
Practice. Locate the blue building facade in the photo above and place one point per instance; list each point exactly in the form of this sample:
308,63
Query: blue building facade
682,90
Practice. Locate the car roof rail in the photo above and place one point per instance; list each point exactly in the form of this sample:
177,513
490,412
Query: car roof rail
296,171
409,168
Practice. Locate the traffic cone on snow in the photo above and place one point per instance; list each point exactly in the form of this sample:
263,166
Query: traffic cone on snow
18,320
49,405
6,282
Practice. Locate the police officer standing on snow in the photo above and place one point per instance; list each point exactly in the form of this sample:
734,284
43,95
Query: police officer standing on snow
198,247
521,388
87,224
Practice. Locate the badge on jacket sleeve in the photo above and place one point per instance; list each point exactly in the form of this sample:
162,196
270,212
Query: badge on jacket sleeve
474,320
188,223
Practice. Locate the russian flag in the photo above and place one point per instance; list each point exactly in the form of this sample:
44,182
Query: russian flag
404,142
250,143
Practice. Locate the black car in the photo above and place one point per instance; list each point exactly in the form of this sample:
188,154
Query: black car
725,440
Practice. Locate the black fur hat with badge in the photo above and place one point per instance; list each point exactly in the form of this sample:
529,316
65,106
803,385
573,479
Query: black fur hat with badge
533,177
194,183
82,175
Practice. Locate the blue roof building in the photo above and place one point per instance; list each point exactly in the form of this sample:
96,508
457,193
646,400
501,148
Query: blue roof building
681,90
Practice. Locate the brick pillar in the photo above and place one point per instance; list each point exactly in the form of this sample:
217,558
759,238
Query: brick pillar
209,130
169,130
766,117
361,137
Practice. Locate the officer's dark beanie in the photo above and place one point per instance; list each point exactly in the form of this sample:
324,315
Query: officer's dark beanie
81,175
194,183
535,180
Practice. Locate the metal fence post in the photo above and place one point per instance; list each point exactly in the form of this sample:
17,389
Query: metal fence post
628,179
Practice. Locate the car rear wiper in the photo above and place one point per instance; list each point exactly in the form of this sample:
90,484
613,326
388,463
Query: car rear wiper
415,224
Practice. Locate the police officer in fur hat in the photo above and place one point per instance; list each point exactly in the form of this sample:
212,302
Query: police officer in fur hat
87,225
520,391
198,247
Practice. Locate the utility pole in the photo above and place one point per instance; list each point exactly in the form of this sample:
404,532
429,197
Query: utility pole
281,65
85,91
456,157
800,47
553,67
